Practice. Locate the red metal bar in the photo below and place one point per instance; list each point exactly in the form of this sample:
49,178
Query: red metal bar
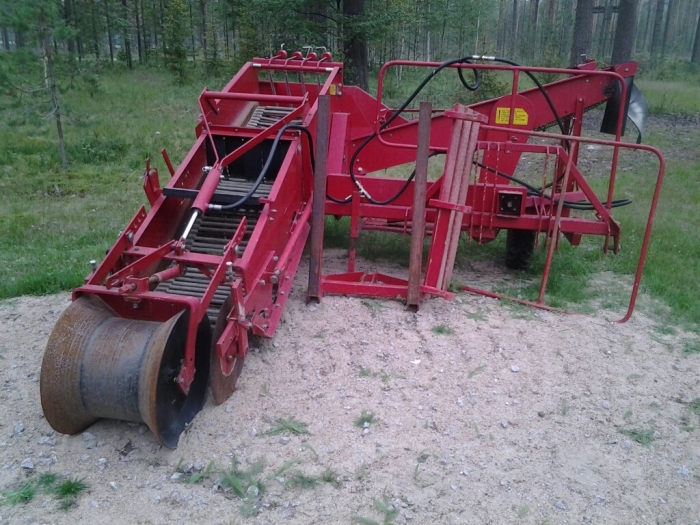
555,231
255,97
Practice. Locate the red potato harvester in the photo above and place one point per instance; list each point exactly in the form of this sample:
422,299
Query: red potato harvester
169,310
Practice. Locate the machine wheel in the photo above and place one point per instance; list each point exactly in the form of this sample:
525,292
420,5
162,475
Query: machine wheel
520,249
97,364
222,379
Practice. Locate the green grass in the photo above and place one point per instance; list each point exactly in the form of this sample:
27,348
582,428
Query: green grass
389,514
287,426
365,417
67,492
240,481
694,406
55,222
476,371
643,437
442,329
677,97
22,495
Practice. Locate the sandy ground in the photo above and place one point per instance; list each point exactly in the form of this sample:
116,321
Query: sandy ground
484,413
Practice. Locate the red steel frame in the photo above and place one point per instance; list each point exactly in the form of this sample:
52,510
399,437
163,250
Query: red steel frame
397,144
152,249
149,250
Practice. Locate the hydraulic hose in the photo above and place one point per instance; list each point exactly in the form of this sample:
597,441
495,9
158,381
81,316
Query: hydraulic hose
266,167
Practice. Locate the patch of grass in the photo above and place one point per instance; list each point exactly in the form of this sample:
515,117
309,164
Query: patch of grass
47,480
479,315
365,521
69,491
374,305
287,426
23,495
240,481
694,406
66,492
476,371
367,372
442,329
691,347
365,417
523,511
287,465
643,437
627,415
330,476
55,221
389,513
300,480
196,477
311,449
361,472
664,97
665,329
564,407
386,376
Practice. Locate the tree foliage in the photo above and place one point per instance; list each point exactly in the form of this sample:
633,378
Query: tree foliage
205,34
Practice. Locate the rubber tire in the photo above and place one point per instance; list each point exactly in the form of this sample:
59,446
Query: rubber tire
520,249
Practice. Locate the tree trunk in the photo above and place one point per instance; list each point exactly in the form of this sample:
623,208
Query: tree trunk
514,30
51,85
583,25
192,33
670,29
155,24
696,46
647,23
203,29
354,45
656,31
552,11
623,47
534,18
5,39
68,17
110,38
138,30
603,36
127,36
93,23
501,31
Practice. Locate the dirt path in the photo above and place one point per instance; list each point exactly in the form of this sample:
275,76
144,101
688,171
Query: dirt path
483,414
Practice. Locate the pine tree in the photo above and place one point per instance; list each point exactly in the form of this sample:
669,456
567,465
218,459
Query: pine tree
176,34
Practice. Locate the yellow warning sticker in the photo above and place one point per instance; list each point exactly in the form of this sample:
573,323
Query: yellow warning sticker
331,89
503,116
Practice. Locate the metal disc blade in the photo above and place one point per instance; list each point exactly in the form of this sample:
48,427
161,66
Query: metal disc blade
222,384
165,408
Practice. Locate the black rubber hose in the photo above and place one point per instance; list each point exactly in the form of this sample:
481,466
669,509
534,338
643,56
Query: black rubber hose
393,116
532,190
268,162
477,78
